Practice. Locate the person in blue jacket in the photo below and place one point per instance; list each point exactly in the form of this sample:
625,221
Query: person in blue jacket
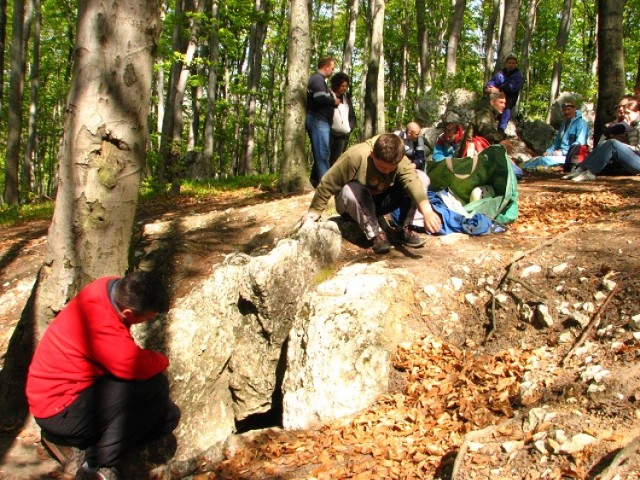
573,131
508,81
448,141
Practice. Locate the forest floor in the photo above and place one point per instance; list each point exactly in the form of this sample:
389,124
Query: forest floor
483,386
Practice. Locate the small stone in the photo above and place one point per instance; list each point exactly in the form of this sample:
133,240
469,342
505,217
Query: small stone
608,285
457,283
634,323
565,337
512,446
599,296
526,313
543,317
541,446
430,290
501,298
560,268
577,443
530,270
470,298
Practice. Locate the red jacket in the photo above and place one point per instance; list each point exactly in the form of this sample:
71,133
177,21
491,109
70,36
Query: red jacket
84,342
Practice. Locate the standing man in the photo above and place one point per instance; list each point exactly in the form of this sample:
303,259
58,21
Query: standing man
508,81
413,143
374,178
320,105
91,386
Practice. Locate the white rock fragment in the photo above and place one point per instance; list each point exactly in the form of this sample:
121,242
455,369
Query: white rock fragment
530,270
470,298
594,372
584,279
565,337
543,317
599,296
541,446
501,298
512,446
456,283
430,290
526,313
577,443
608,284
560,268
581,318
634,323
475,446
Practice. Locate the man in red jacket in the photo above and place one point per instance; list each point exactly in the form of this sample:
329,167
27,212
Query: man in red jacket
91,386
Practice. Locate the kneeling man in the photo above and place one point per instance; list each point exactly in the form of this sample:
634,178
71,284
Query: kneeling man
91,386
374,178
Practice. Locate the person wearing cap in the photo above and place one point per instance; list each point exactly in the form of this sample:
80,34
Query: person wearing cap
90,386
371,179
573,131
413,143
508,81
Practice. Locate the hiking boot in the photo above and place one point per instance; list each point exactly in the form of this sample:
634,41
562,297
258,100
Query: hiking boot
108,473
574,173
381,244
586,175
406,237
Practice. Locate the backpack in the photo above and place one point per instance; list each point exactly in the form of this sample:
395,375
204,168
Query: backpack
491,167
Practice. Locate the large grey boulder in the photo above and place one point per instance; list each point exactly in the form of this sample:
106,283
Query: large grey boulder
341,344
225,339
538,135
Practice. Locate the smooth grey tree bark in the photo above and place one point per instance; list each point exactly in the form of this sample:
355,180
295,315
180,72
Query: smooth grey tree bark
423,47
455,29
292,176
374,95
508,32
561,44
350,40
490,36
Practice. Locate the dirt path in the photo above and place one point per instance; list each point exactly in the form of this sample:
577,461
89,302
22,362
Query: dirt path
580,243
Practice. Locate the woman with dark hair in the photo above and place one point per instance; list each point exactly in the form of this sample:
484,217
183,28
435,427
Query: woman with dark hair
344,117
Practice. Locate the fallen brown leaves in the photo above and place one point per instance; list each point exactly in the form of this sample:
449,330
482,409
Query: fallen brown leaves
407,435
559,211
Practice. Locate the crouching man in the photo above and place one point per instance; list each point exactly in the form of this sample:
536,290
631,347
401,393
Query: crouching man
91,386
371,179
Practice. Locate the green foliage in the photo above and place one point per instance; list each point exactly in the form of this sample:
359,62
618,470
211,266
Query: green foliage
207,188
10,215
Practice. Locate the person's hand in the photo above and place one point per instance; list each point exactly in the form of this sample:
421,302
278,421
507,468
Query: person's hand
309,217
557,153
471,149
432,221
493,89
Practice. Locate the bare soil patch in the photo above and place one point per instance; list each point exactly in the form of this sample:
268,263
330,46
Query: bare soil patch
501,408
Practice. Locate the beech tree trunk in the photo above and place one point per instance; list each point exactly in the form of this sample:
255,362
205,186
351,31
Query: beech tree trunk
529,26
256,40
404,60
454,36
490,40
292,175
561,44
508,32
101,159
373,93
423,47
611,72
16,90
28,174
209,126
350,40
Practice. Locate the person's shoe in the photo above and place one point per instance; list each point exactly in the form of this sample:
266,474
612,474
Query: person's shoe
381,244
406,237
584,176
85,473
573,174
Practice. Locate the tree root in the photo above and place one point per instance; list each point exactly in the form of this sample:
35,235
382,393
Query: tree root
620,459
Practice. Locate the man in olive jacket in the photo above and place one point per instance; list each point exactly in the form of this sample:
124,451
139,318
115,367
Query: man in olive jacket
371,179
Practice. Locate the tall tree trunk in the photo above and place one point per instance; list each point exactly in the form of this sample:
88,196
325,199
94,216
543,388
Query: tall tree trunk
209,126
423,48
28,176
490,40
404,60
256,40
509,30
350,39
529,26
101,159
561,43
3,44
455,30
16,89
372,124
171,170
292,174
611,74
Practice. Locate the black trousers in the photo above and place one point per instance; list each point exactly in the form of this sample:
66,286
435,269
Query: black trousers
113,416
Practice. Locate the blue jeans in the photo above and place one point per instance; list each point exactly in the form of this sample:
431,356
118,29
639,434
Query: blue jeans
612,150
319,132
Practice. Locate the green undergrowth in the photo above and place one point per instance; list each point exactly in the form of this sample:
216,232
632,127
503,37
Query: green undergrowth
43,210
